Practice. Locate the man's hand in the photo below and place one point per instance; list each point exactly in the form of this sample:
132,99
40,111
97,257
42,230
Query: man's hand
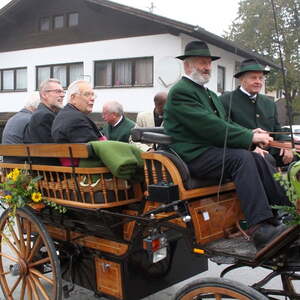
261,139
258,130
260,151
287,156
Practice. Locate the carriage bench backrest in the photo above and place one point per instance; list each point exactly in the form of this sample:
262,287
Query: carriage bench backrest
90,188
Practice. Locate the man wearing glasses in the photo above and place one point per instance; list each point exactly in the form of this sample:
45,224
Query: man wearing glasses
38,129
72,124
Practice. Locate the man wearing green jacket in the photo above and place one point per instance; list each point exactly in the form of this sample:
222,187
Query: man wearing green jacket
118,127
250,109
212,147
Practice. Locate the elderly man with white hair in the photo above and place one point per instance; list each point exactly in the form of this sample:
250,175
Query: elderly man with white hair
118,127
72,125
14,128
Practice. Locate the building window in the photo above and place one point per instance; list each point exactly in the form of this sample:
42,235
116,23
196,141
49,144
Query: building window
65,73
133,72
73,19
58,22
13,79
45,24
221,79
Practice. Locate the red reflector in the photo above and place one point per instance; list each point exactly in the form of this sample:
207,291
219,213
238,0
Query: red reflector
155,244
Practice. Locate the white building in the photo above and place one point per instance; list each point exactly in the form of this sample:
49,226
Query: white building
126,53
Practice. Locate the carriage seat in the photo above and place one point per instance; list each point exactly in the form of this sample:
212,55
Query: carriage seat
156,135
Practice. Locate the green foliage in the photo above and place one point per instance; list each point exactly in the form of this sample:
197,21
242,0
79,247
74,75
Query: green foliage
254,29
59,208
292,196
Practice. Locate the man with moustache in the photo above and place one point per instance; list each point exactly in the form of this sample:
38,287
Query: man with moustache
212,147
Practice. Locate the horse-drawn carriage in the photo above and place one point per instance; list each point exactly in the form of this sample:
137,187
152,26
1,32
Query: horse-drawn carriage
125,238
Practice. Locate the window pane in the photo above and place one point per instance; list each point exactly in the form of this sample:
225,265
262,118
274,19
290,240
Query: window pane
76,72
60,73
123,71
221,79
143,71
43,73
73,19
45,24
103,74
21,79
8,79
58,22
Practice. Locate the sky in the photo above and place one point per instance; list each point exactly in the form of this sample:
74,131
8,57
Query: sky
213,15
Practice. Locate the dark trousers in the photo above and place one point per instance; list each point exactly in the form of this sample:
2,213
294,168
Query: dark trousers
252,175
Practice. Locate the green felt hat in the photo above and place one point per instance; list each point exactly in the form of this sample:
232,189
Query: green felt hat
196,48
249,65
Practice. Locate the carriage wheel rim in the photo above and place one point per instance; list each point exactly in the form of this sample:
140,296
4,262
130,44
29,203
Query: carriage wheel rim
24,266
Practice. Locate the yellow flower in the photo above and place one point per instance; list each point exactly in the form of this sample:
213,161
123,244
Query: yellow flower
16,174
9,175
13,174
36,197
8,197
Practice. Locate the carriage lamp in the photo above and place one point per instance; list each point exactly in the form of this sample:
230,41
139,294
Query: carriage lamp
156,246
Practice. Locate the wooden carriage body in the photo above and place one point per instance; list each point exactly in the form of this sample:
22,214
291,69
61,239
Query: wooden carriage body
100,241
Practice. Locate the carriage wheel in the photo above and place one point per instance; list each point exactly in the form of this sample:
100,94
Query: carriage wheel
218,288
29,266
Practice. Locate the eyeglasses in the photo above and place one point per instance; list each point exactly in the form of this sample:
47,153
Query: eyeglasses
88,95
56,91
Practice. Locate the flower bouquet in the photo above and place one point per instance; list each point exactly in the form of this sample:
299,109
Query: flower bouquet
20,188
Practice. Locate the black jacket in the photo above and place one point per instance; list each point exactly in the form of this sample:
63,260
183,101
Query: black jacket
38,130
73,126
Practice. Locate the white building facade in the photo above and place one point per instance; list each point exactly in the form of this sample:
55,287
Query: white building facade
129,69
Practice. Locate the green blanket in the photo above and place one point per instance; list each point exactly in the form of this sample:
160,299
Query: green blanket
122,159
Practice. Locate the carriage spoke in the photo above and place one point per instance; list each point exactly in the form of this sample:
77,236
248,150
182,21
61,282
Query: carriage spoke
39,262
22,243
9,257
33,288
35,248
4,273
40,286
39,274
218,297
29,289
28,238
22,293
11,246
14,235
15,285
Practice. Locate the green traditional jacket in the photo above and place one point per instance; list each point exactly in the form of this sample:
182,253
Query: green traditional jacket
258,113
195,119
121,132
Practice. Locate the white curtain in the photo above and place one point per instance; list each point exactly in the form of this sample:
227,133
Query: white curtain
60,73
43,74
144,71
76,72
8,79
21,79
123,73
